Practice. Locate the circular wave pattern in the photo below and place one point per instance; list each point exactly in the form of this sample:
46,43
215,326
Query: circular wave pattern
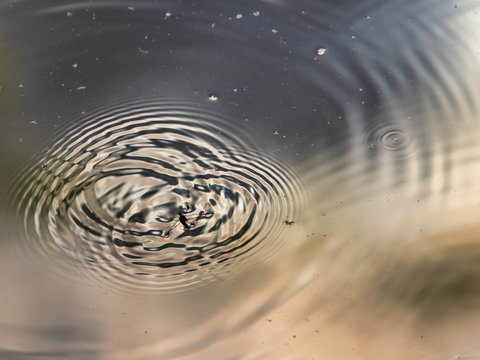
397,140
158,196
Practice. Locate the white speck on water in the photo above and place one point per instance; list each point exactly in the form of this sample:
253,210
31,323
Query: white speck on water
34,122
83,87
368,17
69,14
274,31
131,8
238,16
213,25
168,14
20,85
235,90
143,51
256,13
212,97
75,65
371,146
321,51
275,133
354,37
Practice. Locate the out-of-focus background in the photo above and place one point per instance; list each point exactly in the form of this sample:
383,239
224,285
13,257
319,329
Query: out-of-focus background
239,179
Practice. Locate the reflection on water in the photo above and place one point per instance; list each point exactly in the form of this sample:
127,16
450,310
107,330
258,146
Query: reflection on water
239,180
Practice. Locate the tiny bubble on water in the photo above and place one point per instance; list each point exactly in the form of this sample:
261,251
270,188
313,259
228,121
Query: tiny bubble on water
274,31
75,65
321,51
238,16
256,13
212,97
168,14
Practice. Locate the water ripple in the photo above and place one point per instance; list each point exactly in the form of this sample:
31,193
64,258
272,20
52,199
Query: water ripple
397,140
157,196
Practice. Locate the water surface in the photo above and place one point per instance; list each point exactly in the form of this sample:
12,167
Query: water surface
239,179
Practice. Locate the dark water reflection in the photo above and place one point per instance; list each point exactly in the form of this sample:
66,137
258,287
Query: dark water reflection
324,155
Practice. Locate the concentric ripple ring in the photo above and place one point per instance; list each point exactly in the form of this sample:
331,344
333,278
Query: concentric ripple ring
160,195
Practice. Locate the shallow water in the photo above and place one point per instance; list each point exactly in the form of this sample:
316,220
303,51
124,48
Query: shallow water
247,180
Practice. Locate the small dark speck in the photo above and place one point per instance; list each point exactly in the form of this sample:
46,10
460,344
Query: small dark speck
294,336
269,320
289,222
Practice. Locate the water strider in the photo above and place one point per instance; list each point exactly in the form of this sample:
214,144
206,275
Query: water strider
187,222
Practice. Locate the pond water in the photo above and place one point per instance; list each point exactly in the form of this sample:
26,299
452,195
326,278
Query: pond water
239,179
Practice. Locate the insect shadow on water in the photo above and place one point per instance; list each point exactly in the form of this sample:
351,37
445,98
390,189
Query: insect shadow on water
188,221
